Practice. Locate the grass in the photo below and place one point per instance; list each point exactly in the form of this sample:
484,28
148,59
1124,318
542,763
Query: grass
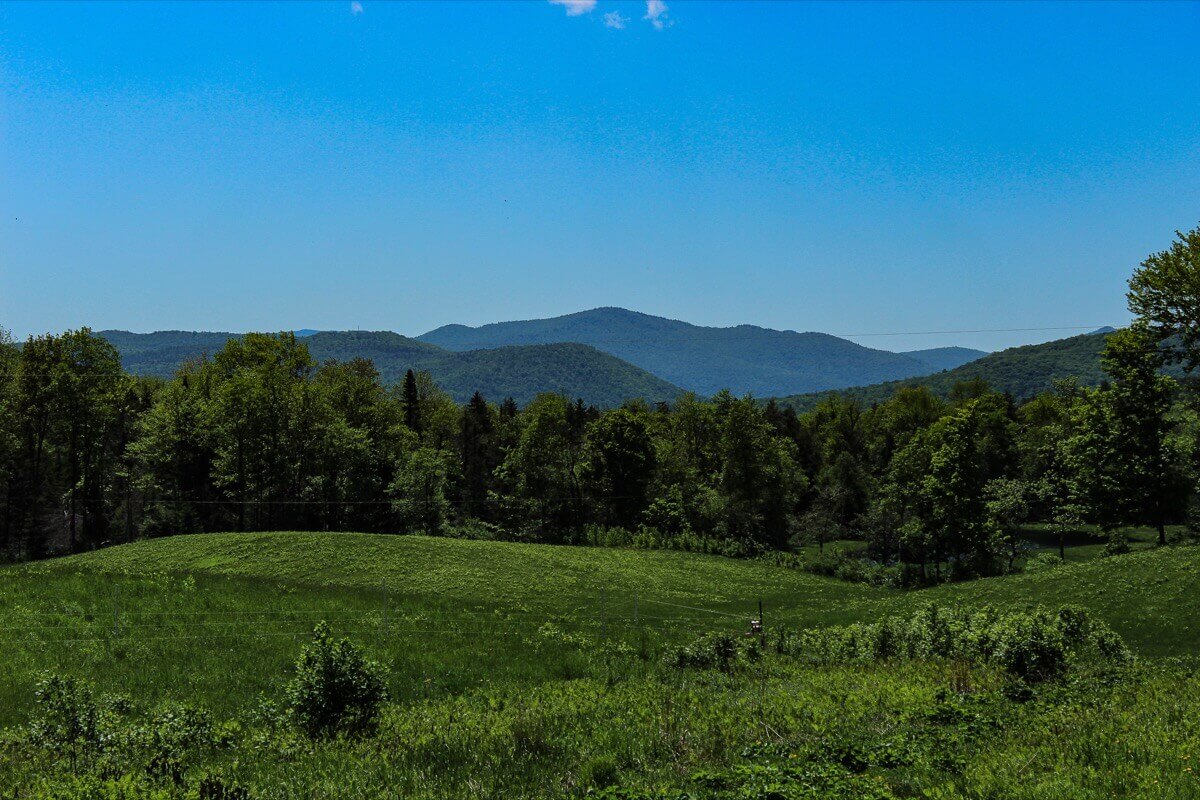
516,670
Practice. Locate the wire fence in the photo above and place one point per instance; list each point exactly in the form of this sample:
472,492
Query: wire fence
118,622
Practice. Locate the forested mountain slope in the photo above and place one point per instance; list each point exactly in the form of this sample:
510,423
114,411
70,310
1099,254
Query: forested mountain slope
518,372
1021,371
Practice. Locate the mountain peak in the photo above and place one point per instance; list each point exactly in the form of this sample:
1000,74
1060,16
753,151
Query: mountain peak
743,358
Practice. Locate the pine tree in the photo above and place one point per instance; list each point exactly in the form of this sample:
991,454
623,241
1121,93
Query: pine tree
412,402
478,454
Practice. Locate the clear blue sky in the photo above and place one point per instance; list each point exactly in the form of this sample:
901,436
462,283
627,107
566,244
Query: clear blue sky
844,168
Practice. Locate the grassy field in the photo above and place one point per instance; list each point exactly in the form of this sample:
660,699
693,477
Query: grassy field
528,670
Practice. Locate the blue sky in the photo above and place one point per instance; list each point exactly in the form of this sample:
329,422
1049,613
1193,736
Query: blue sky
849,168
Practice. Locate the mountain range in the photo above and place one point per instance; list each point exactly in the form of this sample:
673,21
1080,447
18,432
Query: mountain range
743,359
608,355
573,369
1020,371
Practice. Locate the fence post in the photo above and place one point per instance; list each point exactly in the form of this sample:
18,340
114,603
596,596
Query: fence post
387,630
762,627
637,623
604,613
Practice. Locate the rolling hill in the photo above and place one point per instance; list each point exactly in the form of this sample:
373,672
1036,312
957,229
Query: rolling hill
1021,371
519,372
704,360
526,663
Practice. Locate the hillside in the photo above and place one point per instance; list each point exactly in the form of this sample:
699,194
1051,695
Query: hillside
1021,371
940,358
517,372
701,359
543,672
1151,597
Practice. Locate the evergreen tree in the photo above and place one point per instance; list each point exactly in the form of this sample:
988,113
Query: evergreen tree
479,456
412,402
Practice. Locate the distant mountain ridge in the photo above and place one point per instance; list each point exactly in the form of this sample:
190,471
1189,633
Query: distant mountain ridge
519,372
705,360
1020,371
940,358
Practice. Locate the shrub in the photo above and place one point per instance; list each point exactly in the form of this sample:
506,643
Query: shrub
1043,562
173,736
336,689
600,772
67,718
1117,545
721,651
1030,645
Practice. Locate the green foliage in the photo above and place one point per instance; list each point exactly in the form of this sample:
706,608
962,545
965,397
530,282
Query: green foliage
497,698
420,492
1165,293
719,651
1043,562
67,719
335,689
1033,646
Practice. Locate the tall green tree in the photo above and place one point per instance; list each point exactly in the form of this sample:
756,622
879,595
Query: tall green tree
539,480
10,358
619,464
1120,449
759,480
1165,293
412,402
479,455
419,492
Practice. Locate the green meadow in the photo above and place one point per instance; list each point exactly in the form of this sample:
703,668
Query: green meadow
518,670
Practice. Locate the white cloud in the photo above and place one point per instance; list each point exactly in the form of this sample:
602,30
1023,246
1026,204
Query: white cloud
575,7
656,12
355,7
613,19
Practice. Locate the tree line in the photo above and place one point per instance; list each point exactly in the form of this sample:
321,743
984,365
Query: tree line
263,437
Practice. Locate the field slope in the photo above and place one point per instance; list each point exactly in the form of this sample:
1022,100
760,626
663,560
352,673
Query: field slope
536,671
1151,597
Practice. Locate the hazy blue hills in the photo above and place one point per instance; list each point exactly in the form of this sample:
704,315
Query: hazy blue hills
518,372
940,358
745,358
1021,371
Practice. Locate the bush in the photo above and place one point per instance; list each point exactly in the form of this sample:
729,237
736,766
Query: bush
600,772
1117,545
1043,562
336,689
722,651
173,736
1033,646
67,718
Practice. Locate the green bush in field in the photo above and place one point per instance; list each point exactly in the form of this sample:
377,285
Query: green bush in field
67,719
1043,562
721,651
172,738
1032,645
336,689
